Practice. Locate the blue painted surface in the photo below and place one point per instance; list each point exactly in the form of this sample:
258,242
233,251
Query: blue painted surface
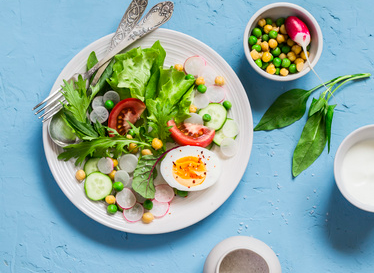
305,220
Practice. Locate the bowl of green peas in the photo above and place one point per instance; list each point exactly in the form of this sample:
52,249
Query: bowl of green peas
271,52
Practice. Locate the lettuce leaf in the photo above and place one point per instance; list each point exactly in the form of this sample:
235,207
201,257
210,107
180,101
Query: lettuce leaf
151,89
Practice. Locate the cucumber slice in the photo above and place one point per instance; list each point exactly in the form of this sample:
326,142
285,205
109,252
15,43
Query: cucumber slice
97,186
91,166
219,135
218,114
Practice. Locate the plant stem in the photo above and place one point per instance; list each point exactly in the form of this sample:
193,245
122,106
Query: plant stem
347,79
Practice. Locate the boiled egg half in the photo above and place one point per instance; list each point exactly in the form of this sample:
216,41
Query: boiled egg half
191,168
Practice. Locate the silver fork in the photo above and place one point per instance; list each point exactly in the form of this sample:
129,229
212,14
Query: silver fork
129,20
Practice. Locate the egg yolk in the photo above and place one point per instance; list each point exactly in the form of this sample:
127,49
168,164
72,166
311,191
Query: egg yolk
189,171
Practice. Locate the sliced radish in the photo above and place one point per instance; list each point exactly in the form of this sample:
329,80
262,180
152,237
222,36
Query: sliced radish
193,65
194,119
231,128
164,193
134,214
201,100
97,101
216,93
128,162
139,198
99,114
105,165
229,147
159,209
125,199
209,75
111,95
124,177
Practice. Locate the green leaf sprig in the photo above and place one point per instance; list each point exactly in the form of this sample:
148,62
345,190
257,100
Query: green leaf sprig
291,106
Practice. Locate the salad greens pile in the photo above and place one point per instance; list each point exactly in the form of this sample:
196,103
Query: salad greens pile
291,106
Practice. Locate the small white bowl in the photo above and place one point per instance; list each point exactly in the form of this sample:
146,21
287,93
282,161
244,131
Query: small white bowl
283,9
361,134
227,246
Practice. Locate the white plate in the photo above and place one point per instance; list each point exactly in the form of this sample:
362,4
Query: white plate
183,211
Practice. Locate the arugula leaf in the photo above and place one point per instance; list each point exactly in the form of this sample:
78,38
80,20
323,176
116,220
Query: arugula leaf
184,106
311,144
287,109
142,182
329,116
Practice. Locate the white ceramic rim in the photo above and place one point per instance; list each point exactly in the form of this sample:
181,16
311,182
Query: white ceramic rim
289,77
339,156
207,201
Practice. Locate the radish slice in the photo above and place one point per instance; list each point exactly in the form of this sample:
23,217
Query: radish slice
201,100
208,74
216,93
229,147
125,199
231,128
111,95
164,193
99,114
193,65
97,101
124,177
105,165
159,209
194,119
134,214
128,162
139,198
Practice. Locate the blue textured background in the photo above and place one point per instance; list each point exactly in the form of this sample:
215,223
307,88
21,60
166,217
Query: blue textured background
305,220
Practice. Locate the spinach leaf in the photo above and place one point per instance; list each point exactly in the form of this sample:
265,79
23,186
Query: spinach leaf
81,129
103,80
329,116
287,109
92,60
143,176
317,105
311,144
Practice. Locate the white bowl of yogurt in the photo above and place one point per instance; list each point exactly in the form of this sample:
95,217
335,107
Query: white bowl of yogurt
354,168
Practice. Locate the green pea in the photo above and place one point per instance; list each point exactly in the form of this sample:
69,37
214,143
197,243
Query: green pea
227,104
277,71
206,117
269,21
258,62
276,51
286,62
182,193
281,45
131,132
118,186
252,40
148,204
264,66
292,68
109,104
190,77
112,209
201,88
277,62
308,47
265,37
257,32
271,58
257,48
280,21
273,34
286,49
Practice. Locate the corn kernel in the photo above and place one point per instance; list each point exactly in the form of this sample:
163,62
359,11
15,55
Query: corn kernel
110,199
133,148
115,162
129,137
80,175
283,72
265,46
291,56
178,67
302,55
273,43
258,42
266,57
299,66
274,25
268,28
290,42
193,108
148,218
296,49
299,60
280,38
146,152
270,69
200,80
276,28
282,29
157,144
261,22
219,80
255,55
112,174
282,56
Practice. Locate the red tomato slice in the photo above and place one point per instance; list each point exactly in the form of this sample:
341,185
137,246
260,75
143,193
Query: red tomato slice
191,134
126,110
